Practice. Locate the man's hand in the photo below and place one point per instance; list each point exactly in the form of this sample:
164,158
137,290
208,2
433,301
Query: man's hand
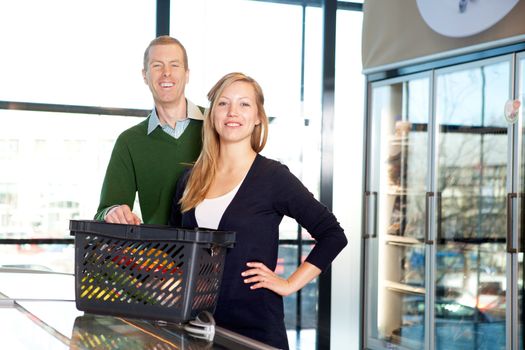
122,214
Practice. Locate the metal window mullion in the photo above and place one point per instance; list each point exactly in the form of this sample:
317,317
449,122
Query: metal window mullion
72,109
326,185
163,17
299,301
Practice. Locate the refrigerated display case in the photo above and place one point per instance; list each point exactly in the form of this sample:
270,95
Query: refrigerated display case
443,198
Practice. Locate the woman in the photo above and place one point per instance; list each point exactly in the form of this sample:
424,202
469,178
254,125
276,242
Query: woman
232,187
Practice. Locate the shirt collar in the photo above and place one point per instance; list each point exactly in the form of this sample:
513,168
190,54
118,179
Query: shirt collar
192,112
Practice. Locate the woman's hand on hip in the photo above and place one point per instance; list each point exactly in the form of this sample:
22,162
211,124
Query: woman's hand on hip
262,277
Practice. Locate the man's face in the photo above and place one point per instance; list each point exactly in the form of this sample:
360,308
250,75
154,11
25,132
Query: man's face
166,75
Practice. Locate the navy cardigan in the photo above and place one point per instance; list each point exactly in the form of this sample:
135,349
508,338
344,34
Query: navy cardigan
268,192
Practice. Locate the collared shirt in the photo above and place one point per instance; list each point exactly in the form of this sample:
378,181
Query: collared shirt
192,112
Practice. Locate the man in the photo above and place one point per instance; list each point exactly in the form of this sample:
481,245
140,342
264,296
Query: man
149,157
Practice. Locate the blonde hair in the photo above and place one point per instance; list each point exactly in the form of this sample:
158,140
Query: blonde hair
165,40
205,167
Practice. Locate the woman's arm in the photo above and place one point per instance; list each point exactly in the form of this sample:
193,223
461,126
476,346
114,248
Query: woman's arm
293,199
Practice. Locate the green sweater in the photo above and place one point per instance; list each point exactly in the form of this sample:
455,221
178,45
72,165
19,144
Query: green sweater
150,165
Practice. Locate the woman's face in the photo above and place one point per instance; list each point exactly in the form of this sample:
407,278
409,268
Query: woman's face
236,113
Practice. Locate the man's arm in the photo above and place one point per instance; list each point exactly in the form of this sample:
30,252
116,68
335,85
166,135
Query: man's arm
118,189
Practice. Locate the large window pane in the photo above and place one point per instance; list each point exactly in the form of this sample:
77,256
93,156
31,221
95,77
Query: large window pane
264,40
52,171
45,257
75,52
300,309
235,35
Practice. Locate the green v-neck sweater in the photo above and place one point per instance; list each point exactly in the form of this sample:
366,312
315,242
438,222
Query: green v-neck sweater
149,165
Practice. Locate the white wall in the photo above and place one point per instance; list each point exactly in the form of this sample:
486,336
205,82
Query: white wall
348,188
347,207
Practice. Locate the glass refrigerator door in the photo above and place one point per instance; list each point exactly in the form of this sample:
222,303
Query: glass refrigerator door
395,212
472,150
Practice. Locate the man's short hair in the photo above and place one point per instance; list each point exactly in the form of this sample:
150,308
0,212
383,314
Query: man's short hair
165,40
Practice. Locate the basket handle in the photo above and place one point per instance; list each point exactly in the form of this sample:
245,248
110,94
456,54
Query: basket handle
153,232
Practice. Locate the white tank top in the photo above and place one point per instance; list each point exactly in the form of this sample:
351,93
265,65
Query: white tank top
208,213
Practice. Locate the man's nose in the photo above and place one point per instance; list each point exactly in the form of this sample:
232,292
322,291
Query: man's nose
166,71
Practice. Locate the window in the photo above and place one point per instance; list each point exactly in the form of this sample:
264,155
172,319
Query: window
81,53
54,153
292,82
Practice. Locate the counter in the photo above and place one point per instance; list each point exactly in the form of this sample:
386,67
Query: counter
37,311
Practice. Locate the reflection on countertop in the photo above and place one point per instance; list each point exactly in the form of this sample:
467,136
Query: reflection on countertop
37,311
111,333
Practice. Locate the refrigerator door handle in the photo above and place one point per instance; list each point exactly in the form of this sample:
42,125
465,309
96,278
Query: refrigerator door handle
429,205
370,232
512,242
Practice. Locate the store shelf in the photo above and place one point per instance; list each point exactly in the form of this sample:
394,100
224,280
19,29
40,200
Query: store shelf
404,288
402,240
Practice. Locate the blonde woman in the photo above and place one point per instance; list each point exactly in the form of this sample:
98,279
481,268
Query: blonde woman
233,187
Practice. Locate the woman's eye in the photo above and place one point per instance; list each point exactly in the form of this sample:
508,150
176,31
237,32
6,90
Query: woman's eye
221,103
